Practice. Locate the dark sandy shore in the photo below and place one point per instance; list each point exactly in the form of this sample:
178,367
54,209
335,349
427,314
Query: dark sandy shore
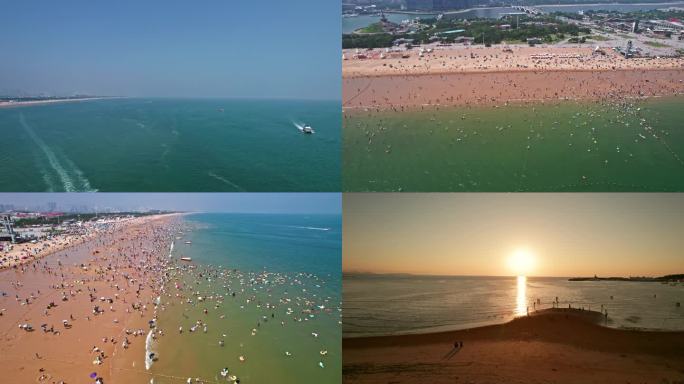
550,346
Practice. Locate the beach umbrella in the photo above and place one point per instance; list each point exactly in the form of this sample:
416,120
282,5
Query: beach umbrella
93,375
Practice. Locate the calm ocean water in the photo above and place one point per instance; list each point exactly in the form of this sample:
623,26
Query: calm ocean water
171,145
392,304
569,146
284,317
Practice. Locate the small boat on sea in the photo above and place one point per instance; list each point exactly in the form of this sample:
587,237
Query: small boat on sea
184,258
305,128
188,242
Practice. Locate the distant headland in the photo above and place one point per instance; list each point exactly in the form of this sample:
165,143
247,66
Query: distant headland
666,278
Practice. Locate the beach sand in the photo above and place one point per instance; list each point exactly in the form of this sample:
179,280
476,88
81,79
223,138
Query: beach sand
490,76
49,101
499,58
550,346
125,265
23,253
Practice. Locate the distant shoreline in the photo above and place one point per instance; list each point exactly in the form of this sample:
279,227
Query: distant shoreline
53,101
456,11
407,274
666,278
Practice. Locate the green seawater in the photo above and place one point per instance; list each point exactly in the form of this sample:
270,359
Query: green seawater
271,285
165,145
567,146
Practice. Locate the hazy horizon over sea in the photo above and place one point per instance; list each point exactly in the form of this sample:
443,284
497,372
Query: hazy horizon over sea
377,305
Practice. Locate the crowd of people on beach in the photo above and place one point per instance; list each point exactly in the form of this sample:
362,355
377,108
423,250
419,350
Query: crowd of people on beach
99,287
102,304
435,59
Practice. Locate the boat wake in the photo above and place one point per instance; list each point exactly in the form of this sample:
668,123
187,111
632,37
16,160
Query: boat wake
70,177
226,181
311,228
303,128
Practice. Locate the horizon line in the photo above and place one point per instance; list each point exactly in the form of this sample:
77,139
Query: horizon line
515,276
179,97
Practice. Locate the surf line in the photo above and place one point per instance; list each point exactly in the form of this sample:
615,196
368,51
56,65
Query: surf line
66,180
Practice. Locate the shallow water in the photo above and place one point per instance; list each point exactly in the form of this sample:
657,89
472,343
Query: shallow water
171,145
271,263
391,304
568,146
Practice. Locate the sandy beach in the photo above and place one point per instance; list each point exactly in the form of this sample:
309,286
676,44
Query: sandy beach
549,346
18,254
496,75
48,101
85,309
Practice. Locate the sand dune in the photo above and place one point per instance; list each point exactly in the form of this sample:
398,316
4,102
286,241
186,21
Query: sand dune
550,346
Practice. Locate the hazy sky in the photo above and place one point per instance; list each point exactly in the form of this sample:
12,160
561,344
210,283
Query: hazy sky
208,48
475,234
214,202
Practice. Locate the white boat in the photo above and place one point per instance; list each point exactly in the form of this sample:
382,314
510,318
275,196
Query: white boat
188,242
305,128
186,258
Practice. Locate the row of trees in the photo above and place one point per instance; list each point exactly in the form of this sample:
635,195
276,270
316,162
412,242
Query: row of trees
481,29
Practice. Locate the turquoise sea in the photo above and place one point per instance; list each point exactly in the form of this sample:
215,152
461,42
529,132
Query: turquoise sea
171,145
271,288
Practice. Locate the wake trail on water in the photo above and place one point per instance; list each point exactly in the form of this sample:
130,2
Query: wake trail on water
300,227
85,183
68,183
226,181
311,228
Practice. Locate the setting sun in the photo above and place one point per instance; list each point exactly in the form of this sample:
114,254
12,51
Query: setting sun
521,262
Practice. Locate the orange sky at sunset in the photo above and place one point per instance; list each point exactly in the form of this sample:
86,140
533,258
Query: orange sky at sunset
509,234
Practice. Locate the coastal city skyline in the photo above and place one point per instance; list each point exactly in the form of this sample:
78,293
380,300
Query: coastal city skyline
171,49
538,235
274,203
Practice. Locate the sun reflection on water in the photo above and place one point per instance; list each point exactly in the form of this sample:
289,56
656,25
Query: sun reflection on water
521,297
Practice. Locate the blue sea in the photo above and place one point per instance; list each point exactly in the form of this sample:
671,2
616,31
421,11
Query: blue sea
165,145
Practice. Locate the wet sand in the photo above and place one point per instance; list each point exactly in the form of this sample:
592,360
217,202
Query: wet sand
116,274
490,76
550,346
499,88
